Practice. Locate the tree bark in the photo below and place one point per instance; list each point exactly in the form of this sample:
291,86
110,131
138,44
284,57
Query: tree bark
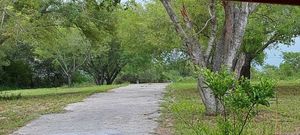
99,79
211,103
245,70
110,77
69,77
228,47
194,51
226,51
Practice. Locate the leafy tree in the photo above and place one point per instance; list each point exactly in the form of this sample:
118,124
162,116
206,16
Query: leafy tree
148,40
289,69
221,47
293,59
66,47
25,71
230,34
5,33
267,29
97,21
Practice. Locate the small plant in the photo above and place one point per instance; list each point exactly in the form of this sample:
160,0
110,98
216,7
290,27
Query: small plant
239,98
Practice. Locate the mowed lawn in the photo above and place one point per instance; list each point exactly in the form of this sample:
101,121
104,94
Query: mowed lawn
16,111
183,112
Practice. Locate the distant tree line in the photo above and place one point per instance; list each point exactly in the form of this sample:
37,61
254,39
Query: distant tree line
289,69
53,43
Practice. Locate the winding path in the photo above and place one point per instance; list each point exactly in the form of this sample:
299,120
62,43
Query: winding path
130,110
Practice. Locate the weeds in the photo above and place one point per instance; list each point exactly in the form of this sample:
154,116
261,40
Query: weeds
186,111
9,96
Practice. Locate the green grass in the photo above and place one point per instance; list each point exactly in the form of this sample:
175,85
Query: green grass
16,112
184,107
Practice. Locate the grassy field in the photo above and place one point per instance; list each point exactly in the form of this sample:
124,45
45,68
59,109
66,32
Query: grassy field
16,111
184,113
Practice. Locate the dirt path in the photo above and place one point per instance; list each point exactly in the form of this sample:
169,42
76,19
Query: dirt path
129,110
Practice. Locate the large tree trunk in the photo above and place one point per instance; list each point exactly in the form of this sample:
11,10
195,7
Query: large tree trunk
228,47
226,51
246,67
211,103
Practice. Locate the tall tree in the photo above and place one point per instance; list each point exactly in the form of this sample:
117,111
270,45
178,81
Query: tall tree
4,30
66,47
293,60
221,49
267,29
98,21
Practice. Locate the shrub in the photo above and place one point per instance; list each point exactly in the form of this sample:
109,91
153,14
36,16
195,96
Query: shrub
239,98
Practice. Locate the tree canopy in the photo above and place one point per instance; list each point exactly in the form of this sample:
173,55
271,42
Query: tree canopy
59,42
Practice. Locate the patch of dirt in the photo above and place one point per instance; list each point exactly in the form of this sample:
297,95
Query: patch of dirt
296,132
165,127
264,115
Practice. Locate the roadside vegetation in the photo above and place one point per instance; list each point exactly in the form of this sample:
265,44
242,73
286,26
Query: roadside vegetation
185,111
21,106
55,43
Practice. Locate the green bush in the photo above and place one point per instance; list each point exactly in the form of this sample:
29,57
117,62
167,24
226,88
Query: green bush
239,98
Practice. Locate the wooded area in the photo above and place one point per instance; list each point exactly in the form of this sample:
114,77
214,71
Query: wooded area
219,43
52,43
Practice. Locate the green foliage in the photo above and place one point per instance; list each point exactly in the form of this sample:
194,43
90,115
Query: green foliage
67,48
81,77
288,69
109,37
104,35
220,82
266,29
291,62
239,98
183,110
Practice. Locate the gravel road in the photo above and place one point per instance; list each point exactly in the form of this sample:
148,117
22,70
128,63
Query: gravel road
130,110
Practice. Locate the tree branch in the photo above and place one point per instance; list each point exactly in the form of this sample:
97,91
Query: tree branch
211,16
2,19
205,25
252,7
267,44
213,33
189,39
174,19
